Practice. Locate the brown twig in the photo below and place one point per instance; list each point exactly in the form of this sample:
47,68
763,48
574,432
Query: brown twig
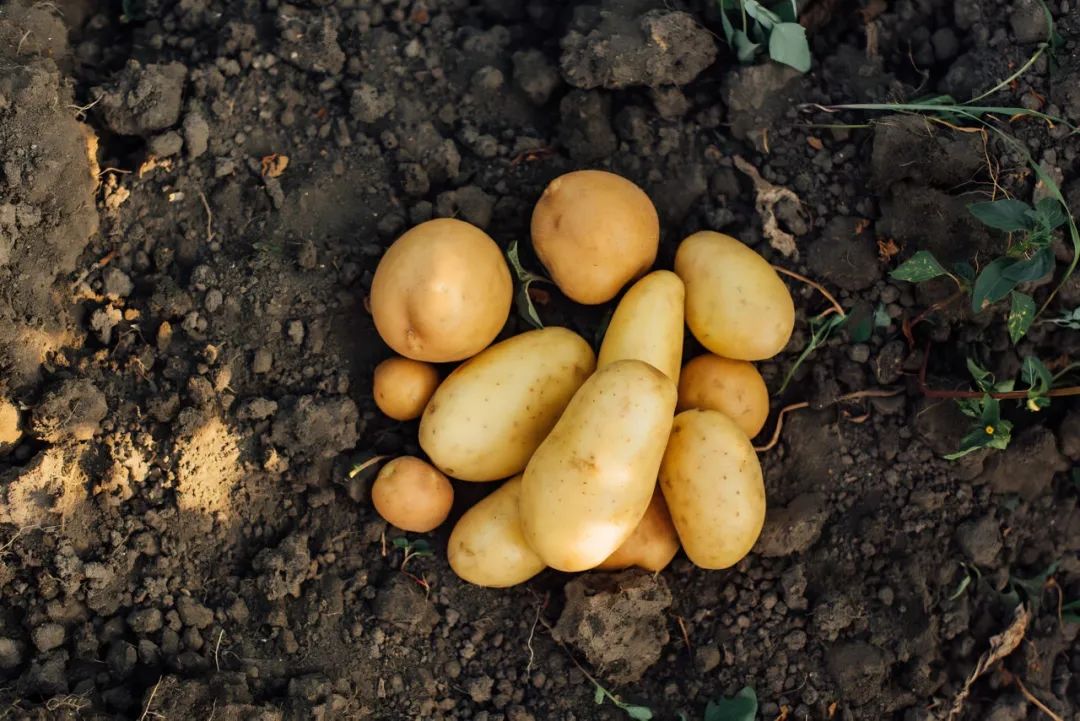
1031,697
775,438
685,633
998,395
836,307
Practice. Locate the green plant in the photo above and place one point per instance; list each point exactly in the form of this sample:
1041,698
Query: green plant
1070,612
638,713
416,548
755,26
522,300
742,706
972,574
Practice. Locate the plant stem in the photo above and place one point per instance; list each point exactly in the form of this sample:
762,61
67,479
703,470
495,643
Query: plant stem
775,438
999,395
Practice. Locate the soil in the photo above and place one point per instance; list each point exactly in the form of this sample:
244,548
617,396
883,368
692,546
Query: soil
193,199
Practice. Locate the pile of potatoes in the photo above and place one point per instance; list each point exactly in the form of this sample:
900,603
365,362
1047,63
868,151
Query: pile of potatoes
605,460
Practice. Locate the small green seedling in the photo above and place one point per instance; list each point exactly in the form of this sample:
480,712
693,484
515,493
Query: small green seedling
522,300
742,706
989,429
971,575
416,548
821,327
755,25
1031,589
637,713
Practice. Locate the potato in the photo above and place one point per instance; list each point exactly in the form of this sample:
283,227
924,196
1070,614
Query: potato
736,304
653,543
441,292
712,482
487,546
490,414
733,387
403,386
594,231
412,495
590,481
648,324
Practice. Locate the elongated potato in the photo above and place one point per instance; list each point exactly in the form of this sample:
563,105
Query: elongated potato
653,543
487,546
736,304
490,414
733,387
648,324
712,482
589,483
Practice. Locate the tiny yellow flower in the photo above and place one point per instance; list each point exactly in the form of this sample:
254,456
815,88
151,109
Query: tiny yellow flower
989,430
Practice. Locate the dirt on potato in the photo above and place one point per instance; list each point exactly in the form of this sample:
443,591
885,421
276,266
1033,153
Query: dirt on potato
193,199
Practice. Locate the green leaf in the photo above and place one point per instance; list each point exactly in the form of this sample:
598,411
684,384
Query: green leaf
725,22
599,694
964,271
1033,268
1001,275
1050,213
638,713
400,542
1021,315
961,587
982,377
820,329
741,707
786,10
788,45
745,48
765,17
522,301
1009,215
1035,374
1070,612
860,332
1069,319
918,268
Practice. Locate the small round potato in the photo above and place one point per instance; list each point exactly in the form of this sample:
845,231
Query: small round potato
441,292
487,546
403,386
589,483
648,324
412,494
736,304
653,543
712,482
733,387
594,231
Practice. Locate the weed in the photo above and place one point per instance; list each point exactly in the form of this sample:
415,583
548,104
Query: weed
638,713
971,575
742,706
1069,319
522,300
1031,589
821,327
755,25
416,548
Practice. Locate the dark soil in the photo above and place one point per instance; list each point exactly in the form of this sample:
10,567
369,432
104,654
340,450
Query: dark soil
193,199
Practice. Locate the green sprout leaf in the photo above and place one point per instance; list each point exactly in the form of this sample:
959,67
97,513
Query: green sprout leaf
764,17
745,48
820,328
1070,612
1001,275
1039,380
742,706
990,431
1050,214
638,713
522,301
788,45
599,694
1008,215
920,267
1021,315
1069,319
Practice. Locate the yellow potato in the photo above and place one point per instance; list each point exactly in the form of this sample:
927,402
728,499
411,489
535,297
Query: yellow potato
653,543
412,495
594,231
490,414
736,304
648,324
487,547
441,292
590,481
403,386
712,482
733,387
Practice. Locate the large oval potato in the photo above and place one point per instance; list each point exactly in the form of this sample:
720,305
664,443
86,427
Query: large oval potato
712,482
736,304
648,324
733,387
653,543
412,495
594,231
441,292
589,483
403,386
487,546
490,414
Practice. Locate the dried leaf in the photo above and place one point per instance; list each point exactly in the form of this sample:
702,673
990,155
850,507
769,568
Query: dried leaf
887,249
768,195
1001,646
815,143
274,164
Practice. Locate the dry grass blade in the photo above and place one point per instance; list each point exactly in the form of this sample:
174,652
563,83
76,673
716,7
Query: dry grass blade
1001,646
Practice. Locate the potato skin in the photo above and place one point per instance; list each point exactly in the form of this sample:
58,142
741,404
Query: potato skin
403,386
594,231
441,292
648,324
491,413
736,304
653,543
487,546
412,495
590,481
733,387
712,482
